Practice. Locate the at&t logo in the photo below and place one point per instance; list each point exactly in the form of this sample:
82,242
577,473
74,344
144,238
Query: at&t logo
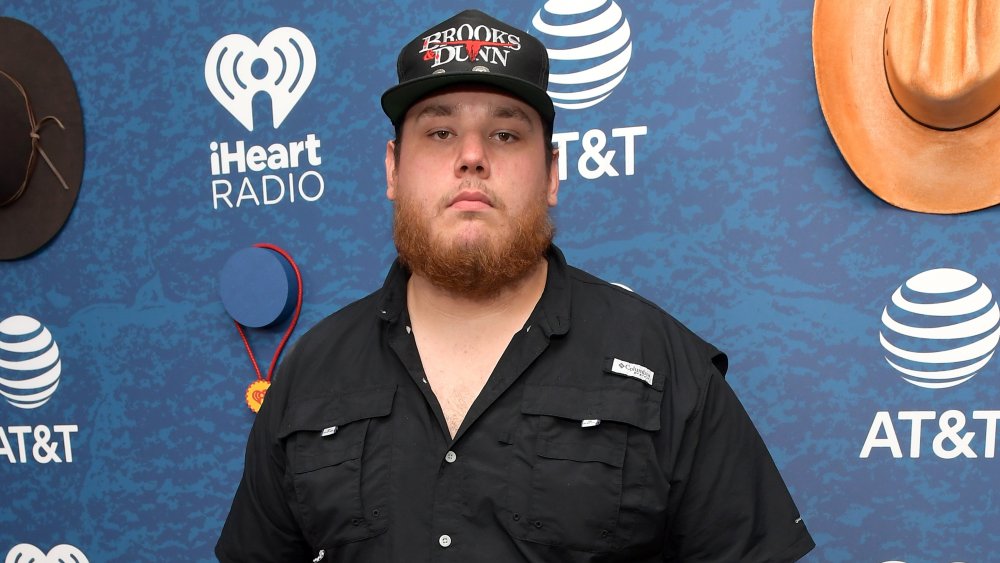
939,330
589,43
30,368
268,173
29,362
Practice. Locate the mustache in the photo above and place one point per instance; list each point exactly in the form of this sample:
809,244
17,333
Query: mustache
473,185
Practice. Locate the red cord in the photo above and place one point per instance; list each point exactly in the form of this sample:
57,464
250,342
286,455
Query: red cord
295,316
291,326
239,328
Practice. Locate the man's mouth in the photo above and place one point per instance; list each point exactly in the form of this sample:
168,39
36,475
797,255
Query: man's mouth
470,200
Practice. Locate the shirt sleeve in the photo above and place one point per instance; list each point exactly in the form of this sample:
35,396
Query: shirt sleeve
727,501
261,526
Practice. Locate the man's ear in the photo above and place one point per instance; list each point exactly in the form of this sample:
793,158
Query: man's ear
552,191
390,170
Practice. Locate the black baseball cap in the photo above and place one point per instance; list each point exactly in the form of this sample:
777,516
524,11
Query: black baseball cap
471,47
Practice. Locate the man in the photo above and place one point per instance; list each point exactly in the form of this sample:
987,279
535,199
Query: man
490,403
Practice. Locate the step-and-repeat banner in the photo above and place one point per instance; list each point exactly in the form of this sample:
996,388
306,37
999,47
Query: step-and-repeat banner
697,169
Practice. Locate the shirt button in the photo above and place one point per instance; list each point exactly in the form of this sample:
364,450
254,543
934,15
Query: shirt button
450,457
444,540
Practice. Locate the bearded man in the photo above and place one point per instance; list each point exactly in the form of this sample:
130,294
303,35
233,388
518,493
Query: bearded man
491,403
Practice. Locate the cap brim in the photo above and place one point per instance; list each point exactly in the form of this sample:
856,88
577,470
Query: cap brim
398,99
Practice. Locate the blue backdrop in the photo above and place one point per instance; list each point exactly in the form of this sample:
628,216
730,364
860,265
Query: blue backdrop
730,207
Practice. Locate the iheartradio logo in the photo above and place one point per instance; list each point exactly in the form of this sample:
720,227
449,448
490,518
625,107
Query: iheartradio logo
941,328
62,553
290,62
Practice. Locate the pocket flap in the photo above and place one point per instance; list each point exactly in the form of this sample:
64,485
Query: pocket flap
607,453
317,455
320,413
633,405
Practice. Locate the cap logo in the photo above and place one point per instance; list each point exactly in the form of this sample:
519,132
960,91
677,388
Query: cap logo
468,43
471,47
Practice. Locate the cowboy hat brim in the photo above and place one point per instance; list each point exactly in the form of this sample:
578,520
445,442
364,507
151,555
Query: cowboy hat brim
35,218
903,162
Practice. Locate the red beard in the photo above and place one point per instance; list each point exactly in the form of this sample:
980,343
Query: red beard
479,269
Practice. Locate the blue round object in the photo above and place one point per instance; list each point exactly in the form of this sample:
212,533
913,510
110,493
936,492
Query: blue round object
258,287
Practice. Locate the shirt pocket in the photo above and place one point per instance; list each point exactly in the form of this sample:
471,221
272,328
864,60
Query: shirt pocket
339,472
569,463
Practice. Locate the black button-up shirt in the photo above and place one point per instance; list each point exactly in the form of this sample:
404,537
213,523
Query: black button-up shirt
606,433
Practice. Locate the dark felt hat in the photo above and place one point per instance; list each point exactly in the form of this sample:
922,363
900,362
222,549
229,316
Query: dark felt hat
471,47
41,132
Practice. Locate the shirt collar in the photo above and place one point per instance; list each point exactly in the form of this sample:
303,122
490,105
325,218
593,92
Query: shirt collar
553,309
392,300
552,312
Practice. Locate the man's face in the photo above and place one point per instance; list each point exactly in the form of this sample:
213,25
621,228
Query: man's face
472,187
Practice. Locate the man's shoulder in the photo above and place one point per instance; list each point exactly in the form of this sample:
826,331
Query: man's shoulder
614,293
348,317
359,316
616,301
633,321
306,369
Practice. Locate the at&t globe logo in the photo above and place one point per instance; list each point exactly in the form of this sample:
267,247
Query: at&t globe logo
590,46
941,328
29,362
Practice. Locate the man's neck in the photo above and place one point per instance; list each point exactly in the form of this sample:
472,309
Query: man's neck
432,304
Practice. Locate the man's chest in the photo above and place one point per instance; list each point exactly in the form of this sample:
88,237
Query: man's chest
552,459
457,370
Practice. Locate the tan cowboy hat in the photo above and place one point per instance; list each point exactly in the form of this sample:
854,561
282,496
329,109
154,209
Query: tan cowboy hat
41,140
909,89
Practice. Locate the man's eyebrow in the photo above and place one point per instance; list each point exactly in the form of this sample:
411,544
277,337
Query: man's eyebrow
435,110
508,112
498,112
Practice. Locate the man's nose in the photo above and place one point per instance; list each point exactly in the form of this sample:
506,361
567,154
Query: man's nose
472,157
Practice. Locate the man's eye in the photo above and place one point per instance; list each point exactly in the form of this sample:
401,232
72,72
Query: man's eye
441,134
505,137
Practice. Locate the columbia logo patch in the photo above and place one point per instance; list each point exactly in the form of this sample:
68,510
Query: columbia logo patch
628,369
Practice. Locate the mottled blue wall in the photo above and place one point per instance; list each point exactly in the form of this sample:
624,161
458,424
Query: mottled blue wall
739,217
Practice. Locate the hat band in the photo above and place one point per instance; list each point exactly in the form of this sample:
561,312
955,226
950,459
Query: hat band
940,61
36,147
